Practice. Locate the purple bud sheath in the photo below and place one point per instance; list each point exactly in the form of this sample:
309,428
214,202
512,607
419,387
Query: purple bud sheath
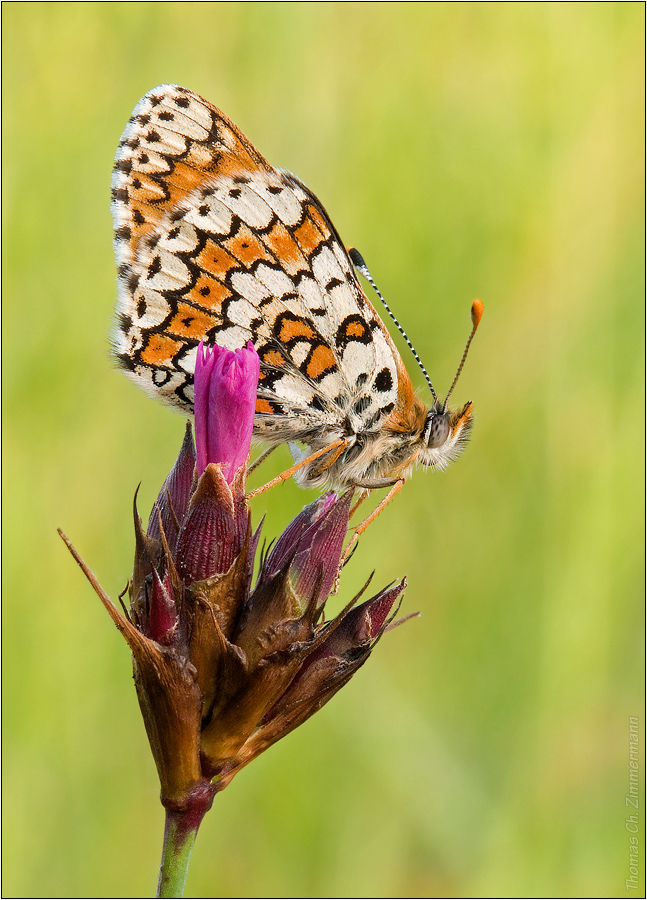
287,544
162,613
316,562
211,537
173,500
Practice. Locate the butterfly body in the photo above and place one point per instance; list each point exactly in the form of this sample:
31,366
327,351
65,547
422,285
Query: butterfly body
215,244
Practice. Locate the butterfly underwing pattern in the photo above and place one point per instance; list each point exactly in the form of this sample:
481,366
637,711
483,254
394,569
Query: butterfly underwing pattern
215,244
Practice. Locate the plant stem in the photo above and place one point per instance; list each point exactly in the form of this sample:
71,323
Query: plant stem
179,837
182,822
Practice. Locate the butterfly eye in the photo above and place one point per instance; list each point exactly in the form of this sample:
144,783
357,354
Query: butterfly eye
438,430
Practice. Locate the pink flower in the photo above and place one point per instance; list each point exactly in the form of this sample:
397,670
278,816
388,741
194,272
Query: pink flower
225,402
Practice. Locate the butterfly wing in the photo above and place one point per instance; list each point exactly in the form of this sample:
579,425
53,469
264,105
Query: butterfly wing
214,244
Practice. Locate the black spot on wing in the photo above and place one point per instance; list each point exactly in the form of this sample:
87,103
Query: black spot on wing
383,380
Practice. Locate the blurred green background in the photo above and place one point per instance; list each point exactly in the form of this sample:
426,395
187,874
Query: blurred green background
490,150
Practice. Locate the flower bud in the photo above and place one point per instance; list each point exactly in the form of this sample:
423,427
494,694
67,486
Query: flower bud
284,548
213,531
162,616
347,644
225,402
313,544
173,500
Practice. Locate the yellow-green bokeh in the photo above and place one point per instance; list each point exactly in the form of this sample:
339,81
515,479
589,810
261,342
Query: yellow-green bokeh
490,150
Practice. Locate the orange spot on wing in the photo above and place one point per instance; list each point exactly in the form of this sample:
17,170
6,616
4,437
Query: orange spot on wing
295,328
191,323
246,247
144,190
355,330
308,236
264,406
273,358
321,362
215,260
160,350
286,249
208,293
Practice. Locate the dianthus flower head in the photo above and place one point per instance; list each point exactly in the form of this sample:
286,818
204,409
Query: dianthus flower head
226,665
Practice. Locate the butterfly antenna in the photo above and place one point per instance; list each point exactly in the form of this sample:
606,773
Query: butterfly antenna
477,312
358,261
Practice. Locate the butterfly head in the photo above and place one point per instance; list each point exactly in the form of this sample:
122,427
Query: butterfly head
445,434
447,430
437,427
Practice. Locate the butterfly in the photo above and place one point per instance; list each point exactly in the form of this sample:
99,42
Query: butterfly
215,244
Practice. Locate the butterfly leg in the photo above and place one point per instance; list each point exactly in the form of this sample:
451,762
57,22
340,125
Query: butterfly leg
367,521
362,497
341,443
260,459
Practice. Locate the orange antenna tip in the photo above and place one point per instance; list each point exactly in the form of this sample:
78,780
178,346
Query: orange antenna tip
477,312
